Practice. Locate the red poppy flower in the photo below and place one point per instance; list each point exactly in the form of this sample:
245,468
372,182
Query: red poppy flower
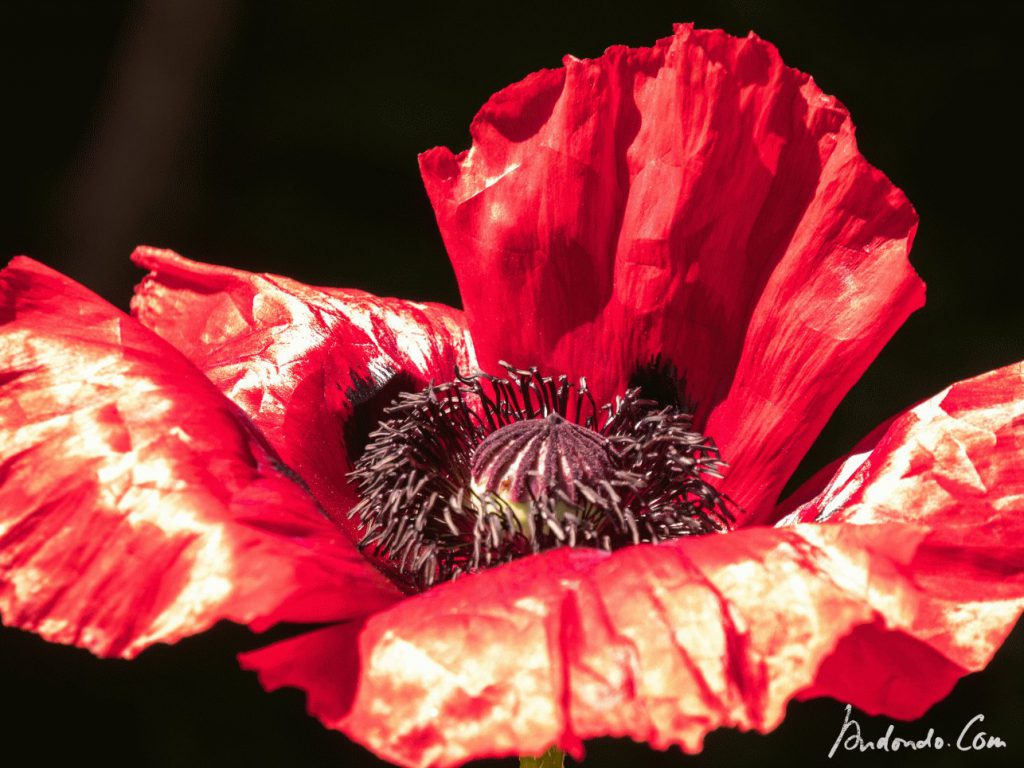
693,207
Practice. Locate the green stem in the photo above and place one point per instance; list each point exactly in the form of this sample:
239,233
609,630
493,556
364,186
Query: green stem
553,758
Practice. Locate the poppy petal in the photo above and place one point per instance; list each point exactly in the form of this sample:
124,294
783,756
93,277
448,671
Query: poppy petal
696,201
658,643
953,463
137,504
919,586
312,367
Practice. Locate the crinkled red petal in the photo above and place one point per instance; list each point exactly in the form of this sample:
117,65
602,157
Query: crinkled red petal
954,463
137,504
312,367
696,200
954,460
666,643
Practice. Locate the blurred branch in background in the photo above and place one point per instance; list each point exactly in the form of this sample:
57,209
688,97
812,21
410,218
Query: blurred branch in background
157,87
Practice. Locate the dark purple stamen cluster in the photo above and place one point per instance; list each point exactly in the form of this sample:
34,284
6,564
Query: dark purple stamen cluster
481,470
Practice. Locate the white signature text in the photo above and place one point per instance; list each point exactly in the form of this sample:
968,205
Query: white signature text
971,738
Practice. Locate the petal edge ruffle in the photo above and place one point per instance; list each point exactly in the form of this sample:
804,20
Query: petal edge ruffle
697,202
661,644
312,367
137,504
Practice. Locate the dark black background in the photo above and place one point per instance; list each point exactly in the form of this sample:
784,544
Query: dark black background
283,137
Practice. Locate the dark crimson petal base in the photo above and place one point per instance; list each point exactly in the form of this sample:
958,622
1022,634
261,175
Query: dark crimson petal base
312,367
137,504
666,643
696,200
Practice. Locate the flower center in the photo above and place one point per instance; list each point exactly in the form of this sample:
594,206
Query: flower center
482,470
543,456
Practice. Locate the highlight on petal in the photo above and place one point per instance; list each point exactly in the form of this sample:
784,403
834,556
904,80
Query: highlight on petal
954,463
658,643
954,460
919,586
312,367
137,504
696,200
